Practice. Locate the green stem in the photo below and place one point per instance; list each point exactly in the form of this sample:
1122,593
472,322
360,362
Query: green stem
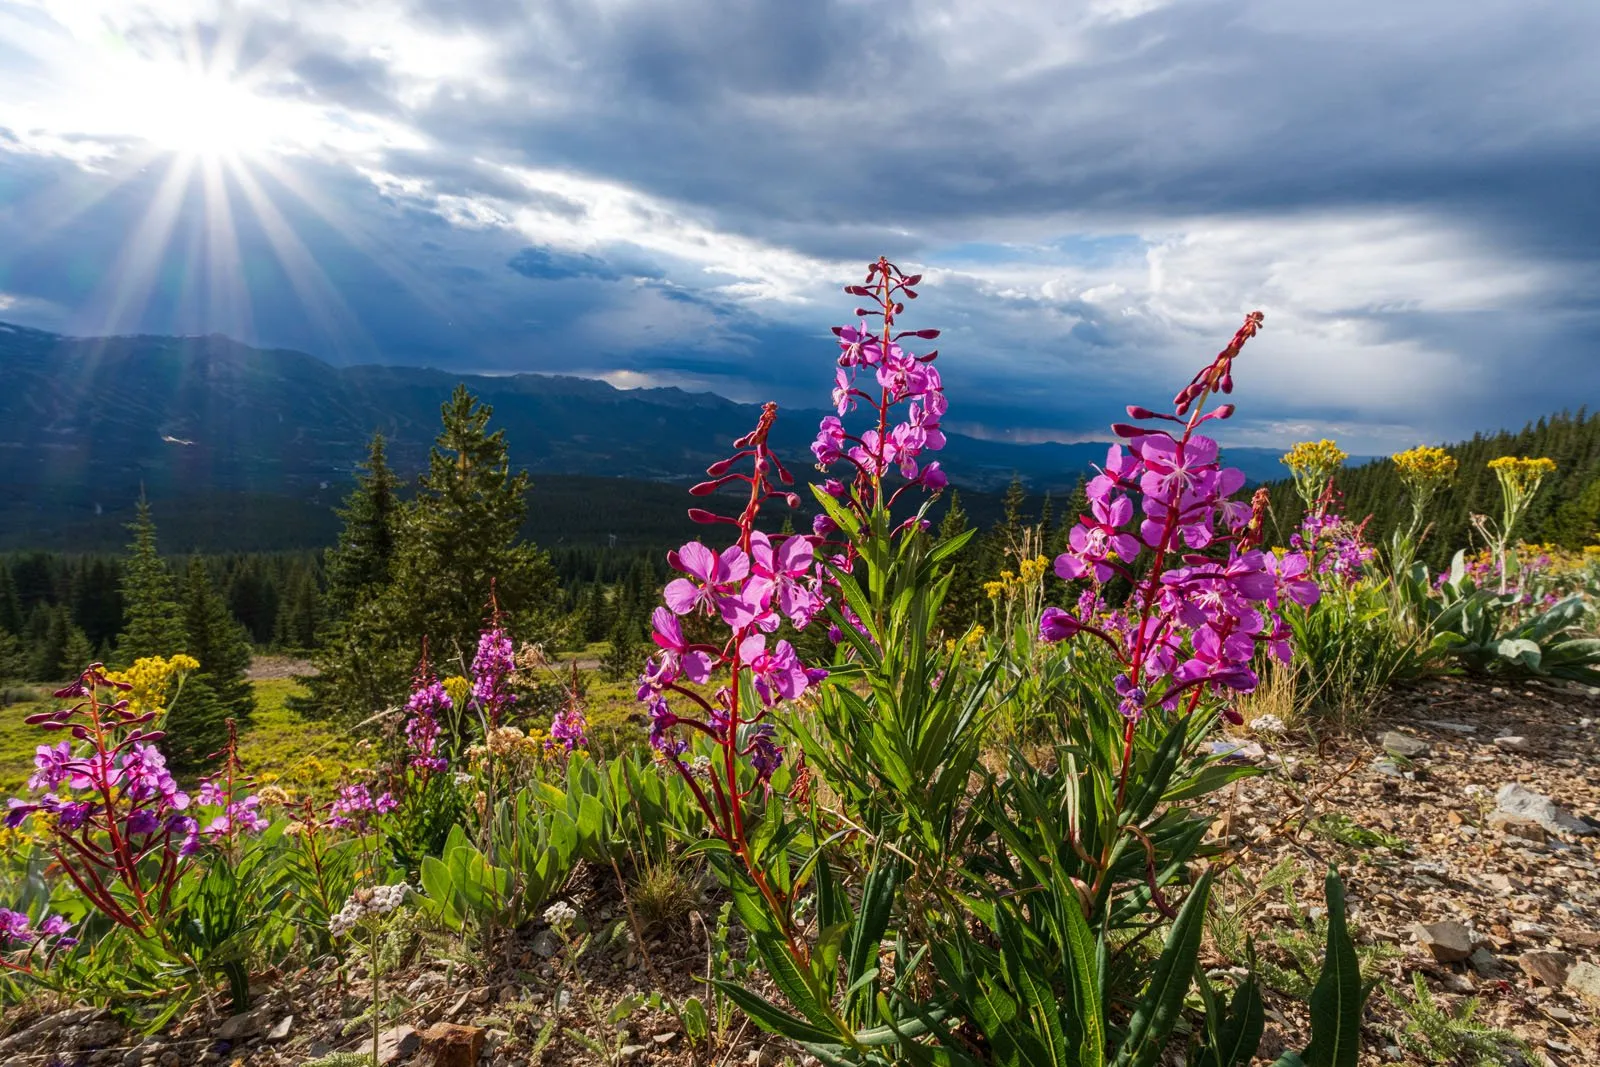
377,1002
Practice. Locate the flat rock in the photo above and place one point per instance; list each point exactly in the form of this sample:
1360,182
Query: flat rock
1547,966
1485,963
1584,980
1515,799
1519,826
1447,942
1513,744
397,1043
1404,746
1451,727
244,1025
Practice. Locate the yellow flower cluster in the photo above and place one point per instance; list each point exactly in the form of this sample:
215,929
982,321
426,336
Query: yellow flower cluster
1318,460
1522,474
972,640
459,689
152,679
1028,572
1425,467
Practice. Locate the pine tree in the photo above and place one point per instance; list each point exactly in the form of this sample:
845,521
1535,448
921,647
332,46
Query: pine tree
13,658
360,564
461,535
596,619
299,616
253,599
152,620
218,641
96,599
623,659
49,631
76,653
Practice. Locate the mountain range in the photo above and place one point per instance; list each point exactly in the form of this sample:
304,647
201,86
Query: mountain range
270,435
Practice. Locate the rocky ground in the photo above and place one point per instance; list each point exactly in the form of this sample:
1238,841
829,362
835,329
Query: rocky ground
1466,823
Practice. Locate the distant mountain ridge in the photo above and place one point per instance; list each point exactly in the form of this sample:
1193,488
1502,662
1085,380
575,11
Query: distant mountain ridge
85,422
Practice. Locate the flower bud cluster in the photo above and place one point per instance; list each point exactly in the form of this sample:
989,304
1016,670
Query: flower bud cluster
894,440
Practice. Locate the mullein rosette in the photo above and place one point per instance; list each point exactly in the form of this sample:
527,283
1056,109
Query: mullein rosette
1208,596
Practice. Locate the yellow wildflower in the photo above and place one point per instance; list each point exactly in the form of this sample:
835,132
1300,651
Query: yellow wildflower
152,679
1522,474
1315,459
1425,466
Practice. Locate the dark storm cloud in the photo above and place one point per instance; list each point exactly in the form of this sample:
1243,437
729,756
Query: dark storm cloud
1027,154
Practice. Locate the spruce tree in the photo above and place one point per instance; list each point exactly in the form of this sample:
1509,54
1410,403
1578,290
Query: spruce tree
76,653
300,614
218,641
196,724
49,630
360,564
13,658
624,659
460,536
456,545
152,620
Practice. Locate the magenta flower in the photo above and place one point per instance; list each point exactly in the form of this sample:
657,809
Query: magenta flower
830,442
668,634
709,575
1057,625
1096,539
491,671
777,674
53,765
783,576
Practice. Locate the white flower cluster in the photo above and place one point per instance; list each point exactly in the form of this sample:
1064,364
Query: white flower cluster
560,915
380,900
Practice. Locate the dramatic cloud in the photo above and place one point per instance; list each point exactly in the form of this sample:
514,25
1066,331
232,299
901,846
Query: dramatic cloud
657,192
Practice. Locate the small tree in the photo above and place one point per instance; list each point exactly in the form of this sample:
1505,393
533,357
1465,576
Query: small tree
359,566
196,724
152,620
219,643
300,613
622,659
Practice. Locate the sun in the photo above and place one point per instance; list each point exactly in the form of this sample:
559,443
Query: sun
194,113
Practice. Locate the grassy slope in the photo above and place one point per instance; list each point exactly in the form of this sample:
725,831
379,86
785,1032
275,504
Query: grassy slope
279,747
304,755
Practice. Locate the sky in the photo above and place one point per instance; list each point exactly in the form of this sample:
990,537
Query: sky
673,192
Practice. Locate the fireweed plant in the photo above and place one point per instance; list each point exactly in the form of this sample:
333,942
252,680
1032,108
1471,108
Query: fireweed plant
118,824
1208,595
1041,860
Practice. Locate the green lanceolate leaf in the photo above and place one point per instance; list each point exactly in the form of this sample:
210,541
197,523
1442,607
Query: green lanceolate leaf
877,901
1337,1000
1158,1009
1155,783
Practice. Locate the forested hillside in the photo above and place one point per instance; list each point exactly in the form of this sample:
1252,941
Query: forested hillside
1566,510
